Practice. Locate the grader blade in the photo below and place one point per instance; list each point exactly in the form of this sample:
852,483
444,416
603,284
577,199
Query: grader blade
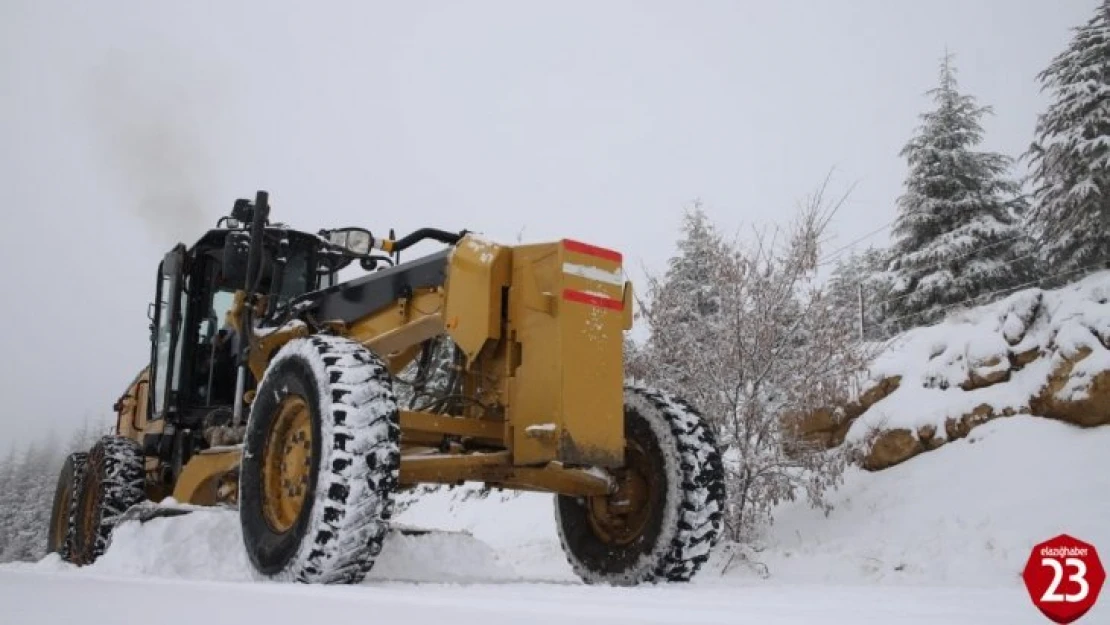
148,511
412,530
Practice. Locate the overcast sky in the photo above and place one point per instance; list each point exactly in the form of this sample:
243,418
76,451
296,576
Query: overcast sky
128,126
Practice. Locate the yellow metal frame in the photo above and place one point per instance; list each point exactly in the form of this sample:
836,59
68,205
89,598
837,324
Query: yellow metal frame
541,327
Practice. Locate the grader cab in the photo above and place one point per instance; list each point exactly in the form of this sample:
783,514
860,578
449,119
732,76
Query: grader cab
273,389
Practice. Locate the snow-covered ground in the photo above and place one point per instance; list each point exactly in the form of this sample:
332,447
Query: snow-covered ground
966,514
939,539
43,599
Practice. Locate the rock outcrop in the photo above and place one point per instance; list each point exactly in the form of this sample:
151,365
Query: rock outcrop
1091,408
829,426
1044,353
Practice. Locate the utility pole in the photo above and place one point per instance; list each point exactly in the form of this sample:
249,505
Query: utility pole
860,287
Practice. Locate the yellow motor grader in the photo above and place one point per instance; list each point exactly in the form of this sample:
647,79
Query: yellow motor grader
273,389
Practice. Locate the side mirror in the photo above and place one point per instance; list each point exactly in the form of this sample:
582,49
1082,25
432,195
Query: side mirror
150,311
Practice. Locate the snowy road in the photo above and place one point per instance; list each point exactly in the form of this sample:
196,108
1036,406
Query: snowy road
39,598
939,540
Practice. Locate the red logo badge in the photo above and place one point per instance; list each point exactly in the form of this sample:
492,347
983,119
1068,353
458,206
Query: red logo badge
1063,577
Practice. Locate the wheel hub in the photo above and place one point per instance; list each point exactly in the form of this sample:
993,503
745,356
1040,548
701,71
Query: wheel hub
621,517
287,463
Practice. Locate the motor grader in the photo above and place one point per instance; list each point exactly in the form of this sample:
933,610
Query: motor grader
273,386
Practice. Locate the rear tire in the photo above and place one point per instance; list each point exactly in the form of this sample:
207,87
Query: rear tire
321,462
666,516
114,481
63,513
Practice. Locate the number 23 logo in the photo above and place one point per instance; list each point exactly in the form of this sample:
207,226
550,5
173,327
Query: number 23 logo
1051,594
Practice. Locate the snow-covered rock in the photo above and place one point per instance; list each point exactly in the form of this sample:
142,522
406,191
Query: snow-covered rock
1034,352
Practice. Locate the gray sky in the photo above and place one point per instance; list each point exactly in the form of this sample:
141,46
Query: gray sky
127,126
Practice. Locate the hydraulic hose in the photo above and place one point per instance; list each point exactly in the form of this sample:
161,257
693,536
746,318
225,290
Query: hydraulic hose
417,236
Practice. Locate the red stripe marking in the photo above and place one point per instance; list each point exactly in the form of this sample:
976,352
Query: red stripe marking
592,250
582,297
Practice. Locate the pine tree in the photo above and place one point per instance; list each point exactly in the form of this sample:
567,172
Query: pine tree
41,494
25,515
957,235
83,437
685,303
8,469
20,507
1070,157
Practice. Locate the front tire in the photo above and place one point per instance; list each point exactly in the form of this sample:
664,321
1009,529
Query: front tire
321,462
666,514
114,481
63,512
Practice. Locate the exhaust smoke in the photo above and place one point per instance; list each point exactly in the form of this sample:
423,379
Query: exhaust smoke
149,131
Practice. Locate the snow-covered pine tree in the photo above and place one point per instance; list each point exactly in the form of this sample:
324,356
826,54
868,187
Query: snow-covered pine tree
1070,158
31,503
957,234
683,313
8,467
46,467
20,506
84,437
635,363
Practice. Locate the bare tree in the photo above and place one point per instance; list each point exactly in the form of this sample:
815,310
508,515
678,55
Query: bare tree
749,336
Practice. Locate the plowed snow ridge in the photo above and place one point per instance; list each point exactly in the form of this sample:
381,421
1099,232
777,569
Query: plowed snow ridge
207,545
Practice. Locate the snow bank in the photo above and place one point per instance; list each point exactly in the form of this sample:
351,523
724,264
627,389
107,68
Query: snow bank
966,514
1035,352
207,545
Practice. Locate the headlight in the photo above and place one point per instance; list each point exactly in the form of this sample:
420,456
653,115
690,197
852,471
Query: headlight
355,240
338,238
359,242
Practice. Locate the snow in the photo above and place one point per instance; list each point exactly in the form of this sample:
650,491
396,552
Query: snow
289,326
934,361
966,514
47,599
939,539
481,246
168,548
521,525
